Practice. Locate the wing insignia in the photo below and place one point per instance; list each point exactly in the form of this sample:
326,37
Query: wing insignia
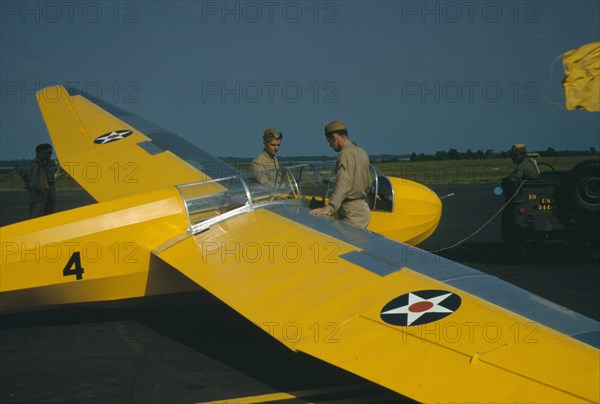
420,307
113,136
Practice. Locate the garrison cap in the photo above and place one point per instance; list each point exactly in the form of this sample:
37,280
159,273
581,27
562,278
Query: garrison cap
271,134
335,126
518,147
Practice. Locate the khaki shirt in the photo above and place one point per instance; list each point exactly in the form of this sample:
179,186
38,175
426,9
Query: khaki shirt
353,175
525,170
41,174
264,167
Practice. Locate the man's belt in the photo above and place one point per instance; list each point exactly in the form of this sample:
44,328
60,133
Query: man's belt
355,199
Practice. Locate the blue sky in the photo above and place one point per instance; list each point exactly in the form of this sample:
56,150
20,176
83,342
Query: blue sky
406,76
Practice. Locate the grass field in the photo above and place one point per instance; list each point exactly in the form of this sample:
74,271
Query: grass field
468,171
425,172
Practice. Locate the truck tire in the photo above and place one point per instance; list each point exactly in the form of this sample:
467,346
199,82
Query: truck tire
582,185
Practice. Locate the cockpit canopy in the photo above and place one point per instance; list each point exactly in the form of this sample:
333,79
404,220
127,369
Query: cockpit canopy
212,201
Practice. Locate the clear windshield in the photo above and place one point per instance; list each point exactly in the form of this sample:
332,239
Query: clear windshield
209,202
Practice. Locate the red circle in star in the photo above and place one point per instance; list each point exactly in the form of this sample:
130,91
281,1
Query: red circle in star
420,307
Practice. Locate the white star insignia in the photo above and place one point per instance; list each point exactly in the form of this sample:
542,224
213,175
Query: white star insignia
112,136
417,307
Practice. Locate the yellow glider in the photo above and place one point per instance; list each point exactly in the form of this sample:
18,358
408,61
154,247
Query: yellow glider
170,218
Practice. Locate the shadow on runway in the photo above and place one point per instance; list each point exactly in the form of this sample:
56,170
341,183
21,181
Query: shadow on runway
195,320
553,253
557,271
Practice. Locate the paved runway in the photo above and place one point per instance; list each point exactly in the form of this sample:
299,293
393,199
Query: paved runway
194,349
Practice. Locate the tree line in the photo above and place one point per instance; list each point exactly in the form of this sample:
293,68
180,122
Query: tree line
442,155
469,154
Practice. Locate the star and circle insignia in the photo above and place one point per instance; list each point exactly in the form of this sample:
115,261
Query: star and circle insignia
112,136
420,307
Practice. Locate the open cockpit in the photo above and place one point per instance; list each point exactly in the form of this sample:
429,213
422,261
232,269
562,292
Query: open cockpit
310,184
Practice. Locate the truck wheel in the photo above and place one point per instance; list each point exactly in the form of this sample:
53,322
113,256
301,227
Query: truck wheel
583,188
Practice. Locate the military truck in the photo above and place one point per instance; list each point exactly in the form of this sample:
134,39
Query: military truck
562,205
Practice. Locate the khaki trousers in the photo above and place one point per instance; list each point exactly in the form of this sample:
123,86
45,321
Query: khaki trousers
355,212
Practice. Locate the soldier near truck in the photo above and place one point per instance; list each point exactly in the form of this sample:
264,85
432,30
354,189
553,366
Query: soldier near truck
553,204
526,169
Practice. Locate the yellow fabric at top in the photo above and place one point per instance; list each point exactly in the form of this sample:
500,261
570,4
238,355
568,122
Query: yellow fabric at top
582,80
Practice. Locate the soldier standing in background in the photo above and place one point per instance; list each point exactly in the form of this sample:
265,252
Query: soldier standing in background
40,179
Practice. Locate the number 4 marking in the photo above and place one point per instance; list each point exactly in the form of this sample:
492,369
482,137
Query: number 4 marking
74,267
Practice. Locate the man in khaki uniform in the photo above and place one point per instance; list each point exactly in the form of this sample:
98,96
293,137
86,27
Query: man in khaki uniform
264,166
352,179
526,169
40,178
